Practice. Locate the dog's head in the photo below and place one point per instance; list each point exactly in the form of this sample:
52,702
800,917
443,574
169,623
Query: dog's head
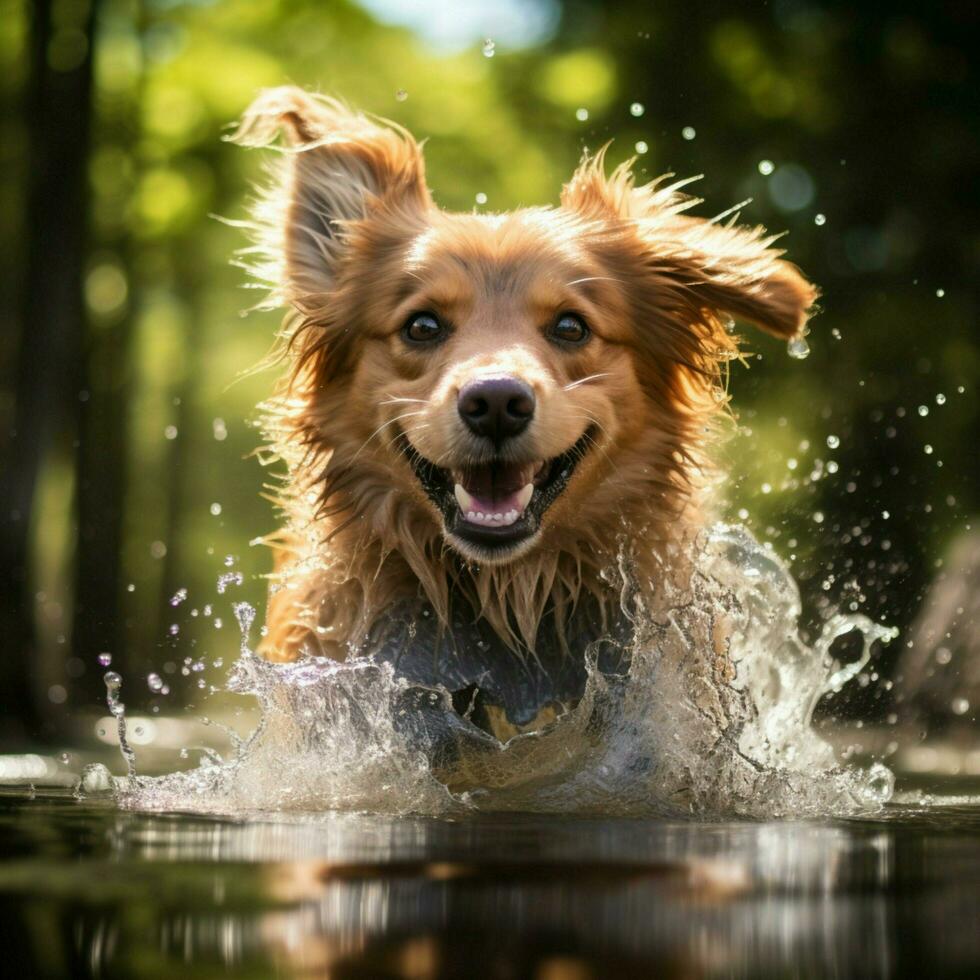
511,379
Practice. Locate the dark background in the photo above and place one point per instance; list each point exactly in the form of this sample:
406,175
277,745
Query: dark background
125,437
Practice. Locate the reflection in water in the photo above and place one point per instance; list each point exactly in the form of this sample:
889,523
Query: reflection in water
508,896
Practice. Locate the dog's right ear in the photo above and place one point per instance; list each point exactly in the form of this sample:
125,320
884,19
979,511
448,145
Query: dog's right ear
339,167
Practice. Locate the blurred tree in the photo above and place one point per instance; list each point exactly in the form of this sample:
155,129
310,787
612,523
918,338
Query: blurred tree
57,110
103,444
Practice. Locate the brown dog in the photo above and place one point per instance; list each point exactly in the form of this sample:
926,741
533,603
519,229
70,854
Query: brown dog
483,413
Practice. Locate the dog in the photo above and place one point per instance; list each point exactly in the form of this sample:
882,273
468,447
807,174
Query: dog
483,414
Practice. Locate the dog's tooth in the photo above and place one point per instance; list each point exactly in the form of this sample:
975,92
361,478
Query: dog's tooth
498,517
464,500
524,497
471,515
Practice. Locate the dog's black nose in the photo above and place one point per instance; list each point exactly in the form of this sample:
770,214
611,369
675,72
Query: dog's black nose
497,408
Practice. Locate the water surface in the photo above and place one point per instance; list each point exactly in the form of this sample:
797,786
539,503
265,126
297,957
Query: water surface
87,889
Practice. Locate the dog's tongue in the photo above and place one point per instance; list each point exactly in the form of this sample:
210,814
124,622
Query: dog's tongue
496,494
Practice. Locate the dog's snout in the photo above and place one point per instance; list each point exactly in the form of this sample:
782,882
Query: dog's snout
498,408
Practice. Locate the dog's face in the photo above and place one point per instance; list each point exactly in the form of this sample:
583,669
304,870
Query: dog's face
515,378
496,360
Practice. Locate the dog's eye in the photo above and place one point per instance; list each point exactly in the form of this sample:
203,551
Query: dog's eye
423,328
569,329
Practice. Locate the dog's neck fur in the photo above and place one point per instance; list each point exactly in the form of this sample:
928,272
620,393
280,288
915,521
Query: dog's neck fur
341,578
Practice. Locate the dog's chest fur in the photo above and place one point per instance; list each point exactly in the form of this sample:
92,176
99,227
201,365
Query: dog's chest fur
499,689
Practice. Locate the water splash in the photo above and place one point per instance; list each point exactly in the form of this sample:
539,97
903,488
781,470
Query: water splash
798,348
713,718
113,684
229,578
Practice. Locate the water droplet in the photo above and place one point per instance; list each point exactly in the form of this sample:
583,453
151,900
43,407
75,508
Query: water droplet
940,399
401,95
689,132
833,442
155,682
215,509
940,293
641,146
481,198
95,778
835,333
582,114
489,48
64,758
960,706
818,517
819,219
219,429
927,449
104,659
798,348
637,109
170,431
766,167
178,597
229,578
923,410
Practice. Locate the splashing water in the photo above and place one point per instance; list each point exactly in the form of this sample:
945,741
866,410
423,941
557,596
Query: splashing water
798,348
113,683
712,718
229,578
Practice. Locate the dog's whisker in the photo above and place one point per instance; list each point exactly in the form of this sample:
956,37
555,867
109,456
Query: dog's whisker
593,420
582,381
576,282
381,428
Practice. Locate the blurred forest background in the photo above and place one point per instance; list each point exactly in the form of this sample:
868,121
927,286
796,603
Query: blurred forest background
126,424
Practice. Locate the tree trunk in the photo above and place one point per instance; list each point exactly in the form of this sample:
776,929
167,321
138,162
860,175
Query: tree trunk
51,330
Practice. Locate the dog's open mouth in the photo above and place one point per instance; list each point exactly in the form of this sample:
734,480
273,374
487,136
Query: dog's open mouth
498,504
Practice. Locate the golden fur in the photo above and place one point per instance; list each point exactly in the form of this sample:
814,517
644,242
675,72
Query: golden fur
349,239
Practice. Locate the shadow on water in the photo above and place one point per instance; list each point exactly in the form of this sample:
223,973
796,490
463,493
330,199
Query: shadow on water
89,890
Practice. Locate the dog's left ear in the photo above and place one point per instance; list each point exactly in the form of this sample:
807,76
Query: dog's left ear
699,264
339,167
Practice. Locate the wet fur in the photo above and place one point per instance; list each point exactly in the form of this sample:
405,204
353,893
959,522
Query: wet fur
346,233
